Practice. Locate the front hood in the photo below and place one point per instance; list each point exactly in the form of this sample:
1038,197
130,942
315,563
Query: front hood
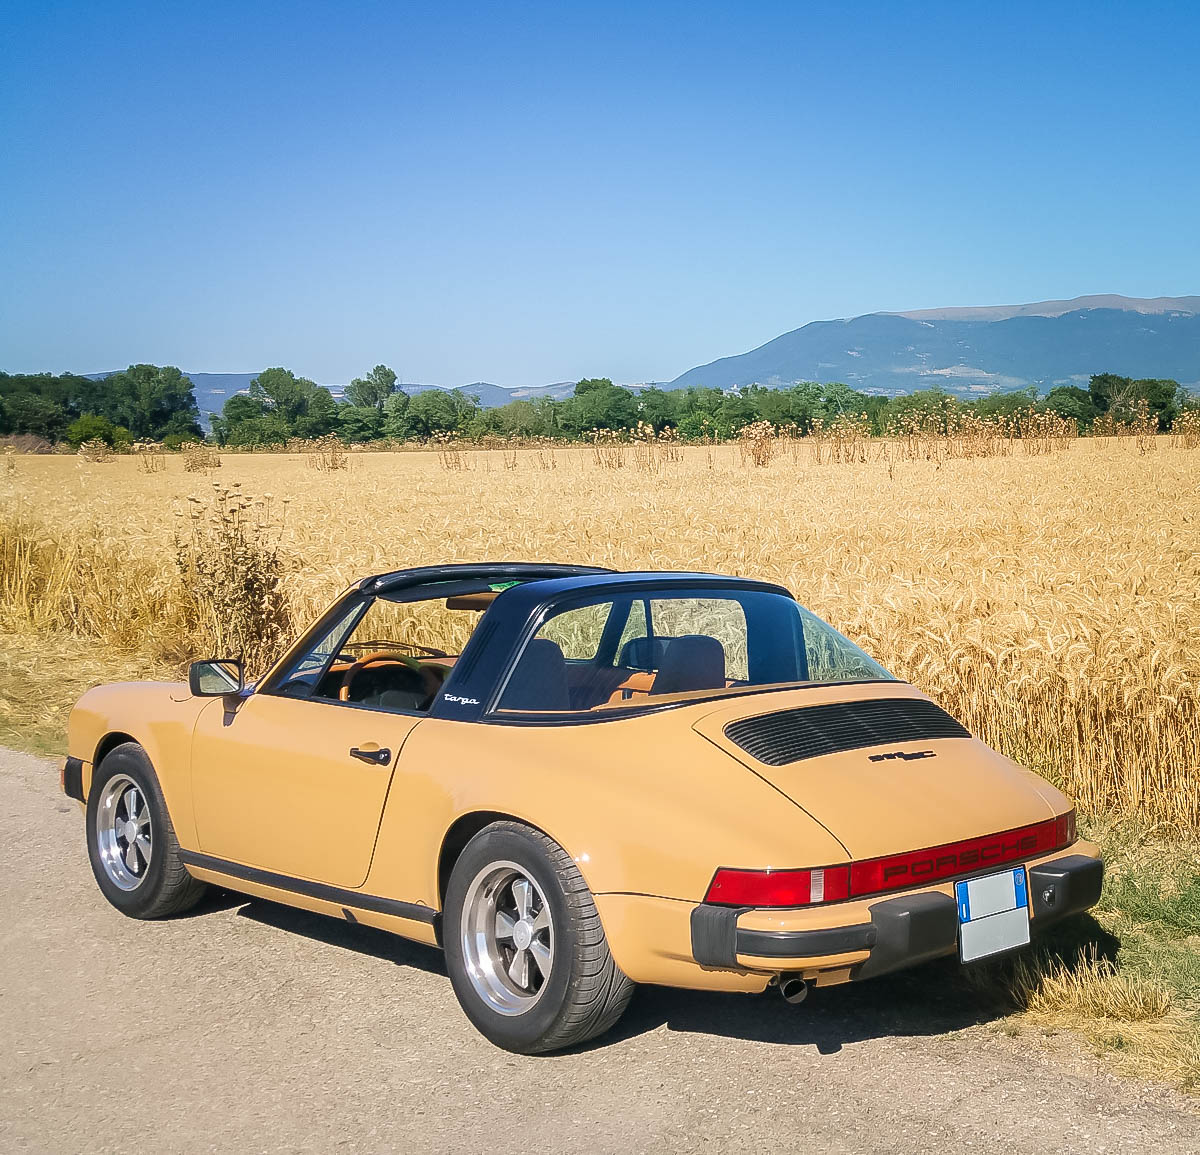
956,789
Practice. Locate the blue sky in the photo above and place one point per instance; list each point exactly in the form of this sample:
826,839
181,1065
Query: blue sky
525,193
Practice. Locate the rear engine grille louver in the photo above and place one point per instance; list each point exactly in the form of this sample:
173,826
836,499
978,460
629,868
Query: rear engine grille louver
812,731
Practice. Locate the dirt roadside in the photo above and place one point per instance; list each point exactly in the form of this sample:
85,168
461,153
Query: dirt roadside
251,1026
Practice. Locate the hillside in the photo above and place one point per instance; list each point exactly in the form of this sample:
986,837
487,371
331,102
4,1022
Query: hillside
975,350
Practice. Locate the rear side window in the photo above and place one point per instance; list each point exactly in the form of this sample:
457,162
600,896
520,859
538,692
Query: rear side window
660,646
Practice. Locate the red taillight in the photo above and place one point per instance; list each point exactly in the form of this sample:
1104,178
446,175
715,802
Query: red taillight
779,887
894,872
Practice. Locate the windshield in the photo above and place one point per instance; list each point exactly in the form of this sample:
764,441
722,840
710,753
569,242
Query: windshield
653,647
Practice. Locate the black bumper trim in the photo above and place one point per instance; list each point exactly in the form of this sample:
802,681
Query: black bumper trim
911,930
72,779
337,895
717,941
714,934
803,943
1064,886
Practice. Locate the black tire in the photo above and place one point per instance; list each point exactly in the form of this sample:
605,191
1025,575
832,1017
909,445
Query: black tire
164,886
585,993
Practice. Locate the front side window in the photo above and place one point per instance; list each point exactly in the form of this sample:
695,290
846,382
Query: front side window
660,646
385,655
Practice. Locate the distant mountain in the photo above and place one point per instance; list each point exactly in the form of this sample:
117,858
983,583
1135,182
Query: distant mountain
977,350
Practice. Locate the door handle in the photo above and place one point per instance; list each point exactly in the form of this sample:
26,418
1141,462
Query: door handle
377,757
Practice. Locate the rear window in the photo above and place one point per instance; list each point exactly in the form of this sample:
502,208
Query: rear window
654,647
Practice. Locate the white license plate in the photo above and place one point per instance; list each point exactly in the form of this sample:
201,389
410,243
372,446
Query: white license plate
993,914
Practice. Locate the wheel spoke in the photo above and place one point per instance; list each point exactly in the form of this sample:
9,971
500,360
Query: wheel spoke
541,956
523,896
518,969
143,819
541,920
143,845
131,858
504,924
131,803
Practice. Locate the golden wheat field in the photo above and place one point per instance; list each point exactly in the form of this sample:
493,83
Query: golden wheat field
1052,602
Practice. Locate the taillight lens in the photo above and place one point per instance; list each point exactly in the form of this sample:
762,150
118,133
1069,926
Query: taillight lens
779,887
894,872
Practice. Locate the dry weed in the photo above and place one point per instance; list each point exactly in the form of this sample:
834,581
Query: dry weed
199,458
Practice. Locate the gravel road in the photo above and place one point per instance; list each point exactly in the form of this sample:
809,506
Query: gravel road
253,1027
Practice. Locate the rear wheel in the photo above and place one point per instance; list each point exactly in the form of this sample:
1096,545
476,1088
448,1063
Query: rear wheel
131,842
525,949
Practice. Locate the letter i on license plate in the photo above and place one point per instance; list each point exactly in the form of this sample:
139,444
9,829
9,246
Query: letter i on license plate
993,914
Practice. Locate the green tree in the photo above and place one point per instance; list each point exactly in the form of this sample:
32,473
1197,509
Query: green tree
1071,401
374,389
151,401
359,422
30,413
655,407
395,417
441,411
599,404
278,405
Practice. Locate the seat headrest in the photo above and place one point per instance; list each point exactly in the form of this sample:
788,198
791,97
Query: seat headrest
540,680
692,662
643,653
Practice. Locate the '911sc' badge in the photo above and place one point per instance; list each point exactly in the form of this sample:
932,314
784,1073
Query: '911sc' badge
894,754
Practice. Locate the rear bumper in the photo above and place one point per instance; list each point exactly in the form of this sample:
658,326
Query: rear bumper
895,932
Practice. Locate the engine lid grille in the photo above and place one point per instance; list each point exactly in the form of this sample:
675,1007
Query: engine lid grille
813,731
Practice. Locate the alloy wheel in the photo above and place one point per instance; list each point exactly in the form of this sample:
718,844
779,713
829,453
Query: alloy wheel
507,938
124,832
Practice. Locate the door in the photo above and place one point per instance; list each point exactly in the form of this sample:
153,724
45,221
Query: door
275,785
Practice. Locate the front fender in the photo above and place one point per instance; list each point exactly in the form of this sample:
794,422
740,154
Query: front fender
160,717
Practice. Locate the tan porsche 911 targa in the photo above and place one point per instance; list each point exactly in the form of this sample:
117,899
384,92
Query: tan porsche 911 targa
617,778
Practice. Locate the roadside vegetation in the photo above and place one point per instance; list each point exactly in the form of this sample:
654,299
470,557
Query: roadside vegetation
1043,587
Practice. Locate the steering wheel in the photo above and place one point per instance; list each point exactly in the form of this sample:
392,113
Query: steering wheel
432,683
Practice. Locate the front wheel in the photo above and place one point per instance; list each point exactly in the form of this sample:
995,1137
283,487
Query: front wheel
131,842
525,949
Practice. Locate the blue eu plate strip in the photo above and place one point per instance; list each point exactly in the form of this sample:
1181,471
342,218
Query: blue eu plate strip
1019,882
964,903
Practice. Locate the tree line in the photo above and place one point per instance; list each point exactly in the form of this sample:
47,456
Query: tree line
158,403
143,402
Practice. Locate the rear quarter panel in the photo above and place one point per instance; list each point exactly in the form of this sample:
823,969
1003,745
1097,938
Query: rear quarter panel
644,805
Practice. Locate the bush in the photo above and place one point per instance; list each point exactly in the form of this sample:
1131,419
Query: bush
89,427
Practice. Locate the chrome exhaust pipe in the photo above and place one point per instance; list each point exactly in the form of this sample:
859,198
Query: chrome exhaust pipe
793,990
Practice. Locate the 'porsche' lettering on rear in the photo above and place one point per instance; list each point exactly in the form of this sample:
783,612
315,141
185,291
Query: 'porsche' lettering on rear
1003,849
902,754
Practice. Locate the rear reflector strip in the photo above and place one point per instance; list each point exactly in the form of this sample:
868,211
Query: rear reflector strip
782,888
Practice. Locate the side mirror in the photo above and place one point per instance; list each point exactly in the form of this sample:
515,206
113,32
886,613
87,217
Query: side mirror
216,677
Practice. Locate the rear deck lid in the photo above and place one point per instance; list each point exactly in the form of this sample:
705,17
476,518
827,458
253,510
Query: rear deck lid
879,765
